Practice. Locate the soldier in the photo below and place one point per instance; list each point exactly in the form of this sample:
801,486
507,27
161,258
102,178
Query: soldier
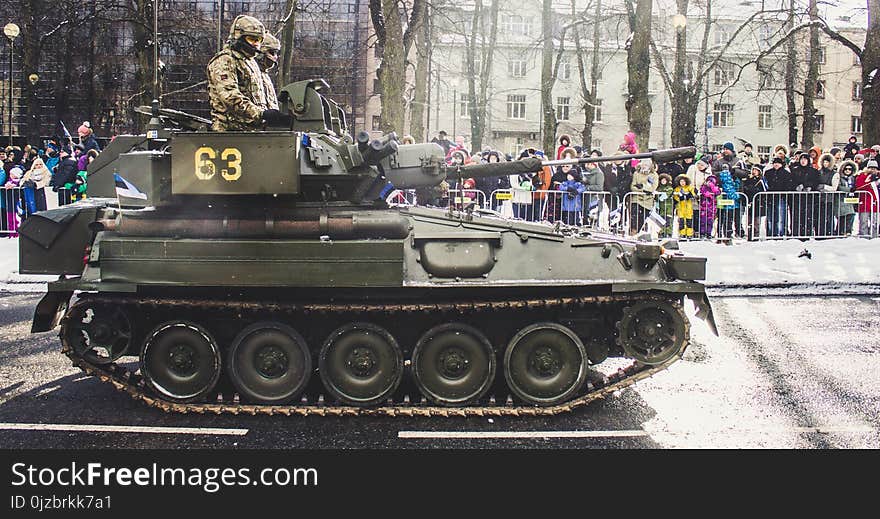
267,60
235,82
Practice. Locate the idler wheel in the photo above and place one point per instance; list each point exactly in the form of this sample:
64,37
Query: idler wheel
181,361
98,333
545,364
453,364
360,364
652,332
269,363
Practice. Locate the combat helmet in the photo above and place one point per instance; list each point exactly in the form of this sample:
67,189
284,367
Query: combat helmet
269,51
243,26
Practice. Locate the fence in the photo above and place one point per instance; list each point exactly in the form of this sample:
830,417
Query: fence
18,203
798,214
769,215
590,208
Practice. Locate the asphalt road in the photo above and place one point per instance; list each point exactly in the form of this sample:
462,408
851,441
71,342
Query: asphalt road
787,372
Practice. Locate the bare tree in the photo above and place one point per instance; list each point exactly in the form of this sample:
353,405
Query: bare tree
395,43
869,56
418,107
810,84
548,111
638,64
484,25
588,94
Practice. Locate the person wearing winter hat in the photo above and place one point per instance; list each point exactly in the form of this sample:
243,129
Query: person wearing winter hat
644,183
684,196
852,147
572,202
87,137
728,157
665,203
846,213
867,186
778,180
752,186
805,207
828,200
11,201
564,143
837,153
35,182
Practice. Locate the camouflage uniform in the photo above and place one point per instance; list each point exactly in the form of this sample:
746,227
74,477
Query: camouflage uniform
235,81
236,91
270,43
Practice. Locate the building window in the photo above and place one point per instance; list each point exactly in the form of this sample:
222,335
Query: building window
597,111
722,35
565,70
765,79
478,63
516,106
377,86
855,125
764,153
517,25
597,144
516,67
563,105
464,105
375,123
724,73
819,123
857,91
765,117
820,89
722,115
821,55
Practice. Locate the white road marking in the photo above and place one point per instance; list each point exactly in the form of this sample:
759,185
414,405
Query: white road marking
120,429
482,435
520,434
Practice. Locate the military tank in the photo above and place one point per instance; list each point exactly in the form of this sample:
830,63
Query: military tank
264,273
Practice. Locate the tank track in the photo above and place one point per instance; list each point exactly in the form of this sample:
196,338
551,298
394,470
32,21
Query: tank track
133,384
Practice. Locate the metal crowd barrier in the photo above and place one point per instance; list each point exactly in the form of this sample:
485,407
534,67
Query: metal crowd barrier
684,218
18,203
814,214
463,199
590,208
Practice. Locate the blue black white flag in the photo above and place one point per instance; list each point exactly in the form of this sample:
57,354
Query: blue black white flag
657,219
127,189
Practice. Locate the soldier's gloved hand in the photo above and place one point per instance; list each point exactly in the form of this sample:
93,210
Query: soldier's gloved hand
276,118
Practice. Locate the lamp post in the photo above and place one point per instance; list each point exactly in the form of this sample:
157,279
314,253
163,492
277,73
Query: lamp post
11,31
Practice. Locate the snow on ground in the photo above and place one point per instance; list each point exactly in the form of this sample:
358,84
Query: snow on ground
769,264
843,261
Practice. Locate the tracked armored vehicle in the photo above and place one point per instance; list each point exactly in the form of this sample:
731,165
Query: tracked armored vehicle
263,272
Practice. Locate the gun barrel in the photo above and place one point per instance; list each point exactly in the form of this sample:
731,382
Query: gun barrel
533,164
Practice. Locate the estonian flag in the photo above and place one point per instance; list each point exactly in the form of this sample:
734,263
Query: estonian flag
127,189
655,218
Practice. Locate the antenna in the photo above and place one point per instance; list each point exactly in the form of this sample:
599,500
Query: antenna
155,123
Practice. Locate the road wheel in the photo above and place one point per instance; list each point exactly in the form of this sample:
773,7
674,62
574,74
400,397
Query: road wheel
652,332
181,361
453,364
360,364
98,332
545,364
269,363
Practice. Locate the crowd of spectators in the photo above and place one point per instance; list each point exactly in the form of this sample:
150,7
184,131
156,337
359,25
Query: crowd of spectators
724,194
38,177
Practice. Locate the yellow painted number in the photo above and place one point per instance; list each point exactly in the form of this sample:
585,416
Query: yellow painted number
232,156
205,168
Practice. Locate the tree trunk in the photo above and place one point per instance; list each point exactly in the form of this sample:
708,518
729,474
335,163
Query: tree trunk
588,94
685,95
790,73
548,111
809,110
871,83
30,64
285,65
638,64
419,106
478,80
